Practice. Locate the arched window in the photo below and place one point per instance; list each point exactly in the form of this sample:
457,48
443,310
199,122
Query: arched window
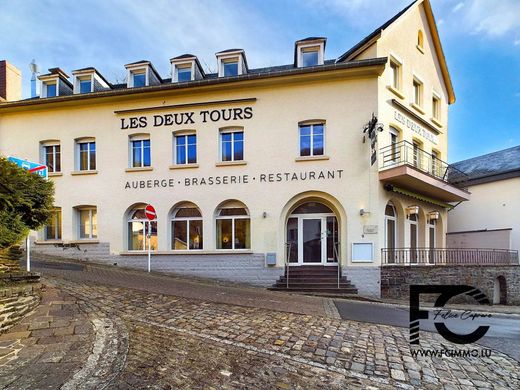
186,227
138,227
233,226
390,226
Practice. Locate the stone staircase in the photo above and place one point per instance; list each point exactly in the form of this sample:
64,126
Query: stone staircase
316,279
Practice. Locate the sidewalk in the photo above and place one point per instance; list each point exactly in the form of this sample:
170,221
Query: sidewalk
47,346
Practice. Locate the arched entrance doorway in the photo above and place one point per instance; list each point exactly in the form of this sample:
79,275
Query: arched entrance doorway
312,235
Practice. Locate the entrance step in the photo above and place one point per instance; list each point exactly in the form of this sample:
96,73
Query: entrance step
315,279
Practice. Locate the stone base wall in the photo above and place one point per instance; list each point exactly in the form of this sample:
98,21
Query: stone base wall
395,280
366,279
16,302
9,259
246,268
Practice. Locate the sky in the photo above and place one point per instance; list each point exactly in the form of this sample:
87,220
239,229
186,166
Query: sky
480,38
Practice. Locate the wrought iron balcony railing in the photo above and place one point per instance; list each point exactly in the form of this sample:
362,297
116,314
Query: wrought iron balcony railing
406,153
448,256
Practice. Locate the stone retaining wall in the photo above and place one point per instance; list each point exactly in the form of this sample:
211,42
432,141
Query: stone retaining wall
236,267
16,302
395,280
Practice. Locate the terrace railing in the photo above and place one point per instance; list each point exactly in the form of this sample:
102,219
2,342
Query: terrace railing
406,153
448,256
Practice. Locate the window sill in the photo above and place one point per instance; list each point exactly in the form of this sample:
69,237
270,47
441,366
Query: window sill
48,242
184,166
55,174
193,252
417,108
396,92
139,169
311,158
230,163
79,173
436,121
420,48
85,241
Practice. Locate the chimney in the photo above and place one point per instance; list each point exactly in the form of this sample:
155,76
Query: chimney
10,82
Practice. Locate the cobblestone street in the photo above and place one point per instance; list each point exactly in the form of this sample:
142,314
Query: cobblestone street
139,339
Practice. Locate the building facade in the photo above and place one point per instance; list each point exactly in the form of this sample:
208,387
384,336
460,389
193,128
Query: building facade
320,162
490,220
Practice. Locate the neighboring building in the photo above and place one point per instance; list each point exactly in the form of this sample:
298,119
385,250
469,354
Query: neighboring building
492,218
252,169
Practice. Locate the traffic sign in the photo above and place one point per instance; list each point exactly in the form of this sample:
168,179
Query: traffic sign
150,213
32,167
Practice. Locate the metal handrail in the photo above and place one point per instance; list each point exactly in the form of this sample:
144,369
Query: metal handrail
448,256
287,254
406,153
338,260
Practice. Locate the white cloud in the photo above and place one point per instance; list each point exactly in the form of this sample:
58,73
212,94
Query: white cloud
493,19
457,7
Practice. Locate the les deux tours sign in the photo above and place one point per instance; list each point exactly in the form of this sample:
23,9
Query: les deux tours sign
187,118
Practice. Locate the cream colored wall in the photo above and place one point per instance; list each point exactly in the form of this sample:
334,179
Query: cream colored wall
400,40
271,145
493,205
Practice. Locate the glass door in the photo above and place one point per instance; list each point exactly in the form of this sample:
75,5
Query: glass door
312,251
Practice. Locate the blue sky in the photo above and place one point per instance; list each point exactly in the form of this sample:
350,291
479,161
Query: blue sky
481,40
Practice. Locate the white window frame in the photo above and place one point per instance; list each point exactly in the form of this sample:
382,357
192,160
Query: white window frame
44,146
418,92
396,83
80,78
393,145
311,124
91,210
45,84
174,219
78,154
232,131
136,71
233,218
436,106
145,223
184,134
131,140
394,219
311,46
184,65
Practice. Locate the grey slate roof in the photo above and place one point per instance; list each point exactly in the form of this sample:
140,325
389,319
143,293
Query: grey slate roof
491,167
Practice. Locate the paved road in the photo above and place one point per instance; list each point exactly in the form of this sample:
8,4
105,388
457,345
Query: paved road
503,334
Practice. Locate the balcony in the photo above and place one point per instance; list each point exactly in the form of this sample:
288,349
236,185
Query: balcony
448,256
405,165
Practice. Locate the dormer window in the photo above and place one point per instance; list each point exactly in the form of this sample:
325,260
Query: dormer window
183,72
185,68
309,52
310,56
142,74
85,85
138,78
231,63
89,80
230,67
55,83
50,89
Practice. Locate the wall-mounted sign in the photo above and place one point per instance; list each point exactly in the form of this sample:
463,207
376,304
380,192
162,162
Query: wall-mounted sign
416,128
369,229
209,181
187,118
